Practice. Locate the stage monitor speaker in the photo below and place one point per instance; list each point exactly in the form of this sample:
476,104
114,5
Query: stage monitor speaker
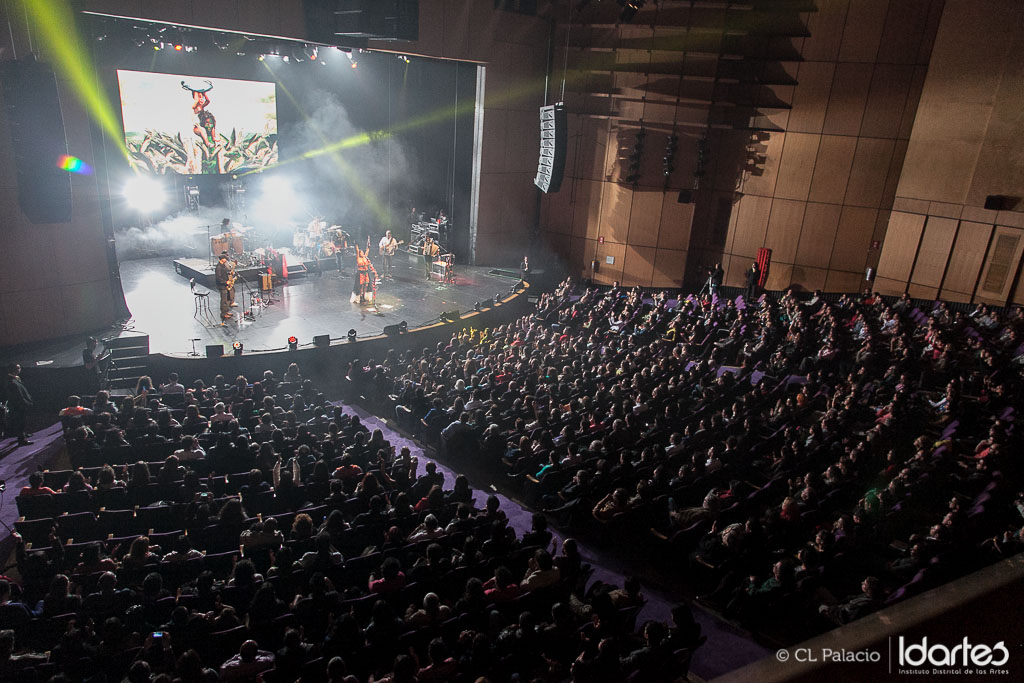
214,350
685,196
37,140
999,202
553,142
450,316
322,340
392,330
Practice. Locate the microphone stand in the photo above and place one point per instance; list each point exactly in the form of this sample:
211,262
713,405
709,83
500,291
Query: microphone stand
209,246
247,313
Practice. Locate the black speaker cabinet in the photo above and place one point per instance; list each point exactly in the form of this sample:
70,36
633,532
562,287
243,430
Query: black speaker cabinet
37,140
214,350
551,165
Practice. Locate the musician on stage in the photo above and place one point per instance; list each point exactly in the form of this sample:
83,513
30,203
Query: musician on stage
225,284
388,244
430,252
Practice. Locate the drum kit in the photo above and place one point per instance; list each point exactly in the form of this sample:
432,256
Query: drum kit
234,241
318,241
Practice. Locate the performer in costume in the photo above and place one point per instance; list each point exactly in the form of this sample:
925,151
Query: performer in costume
205,128
365,280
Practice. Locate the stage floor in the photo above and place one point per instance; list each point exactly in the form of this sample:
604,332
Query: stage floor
163,307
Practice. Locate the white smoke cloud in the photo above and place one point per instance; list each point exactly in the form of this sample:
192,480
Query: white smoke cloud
183,234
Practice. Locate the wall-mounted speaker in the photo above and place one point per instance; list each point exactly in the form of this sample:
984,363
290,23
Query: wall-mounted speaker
1000,202
685,196
322,340
37,140
214,350
551,165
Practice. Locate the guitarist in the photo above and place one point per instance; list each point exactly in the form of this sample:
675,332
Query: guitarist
226,285
388,244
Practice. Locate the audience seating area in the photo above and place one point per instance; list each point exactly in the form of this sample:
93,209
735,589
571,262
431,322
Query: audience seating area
198,537
793,463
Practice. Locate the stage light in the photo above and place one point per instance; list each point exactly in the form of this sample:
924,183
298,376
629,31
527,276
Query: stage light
355,65
158,46
74,165
144,194
352,335
293,343
403,327
237,346
477,307
178,47
261,57
285,59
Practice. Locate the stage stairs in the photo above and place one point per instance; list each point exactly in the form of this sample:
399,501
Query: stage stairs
130,354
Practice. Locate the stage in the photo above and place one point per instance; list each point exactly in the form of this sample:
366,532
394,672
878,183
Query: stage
163,306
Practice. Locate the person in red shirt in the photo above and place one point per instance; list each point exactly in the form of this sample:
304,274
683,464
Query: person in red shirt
392,578
35,486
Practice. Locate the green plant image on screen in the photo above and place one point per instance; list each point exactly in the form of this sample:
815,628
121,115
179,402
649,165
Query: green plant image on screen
196,125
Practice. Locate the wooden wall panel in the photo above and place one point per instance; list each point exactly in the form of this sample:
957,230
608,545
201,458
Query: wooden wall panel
922,291
840,281
832,169
669,266
884,285
586,215
821,221
892,180
809,279
770,146
810,98
900,246
1002,262
558,212
862,32
638,266
904,28
751,225
933,254
849,95
887,98
853,239
645,219
826,29
608,273
868,174
967,257
784,225
780,275
797,166
615,205
676,220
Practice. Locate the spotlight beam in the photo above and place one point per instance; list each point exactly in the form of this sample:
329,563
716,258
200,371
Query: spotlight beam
54,20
